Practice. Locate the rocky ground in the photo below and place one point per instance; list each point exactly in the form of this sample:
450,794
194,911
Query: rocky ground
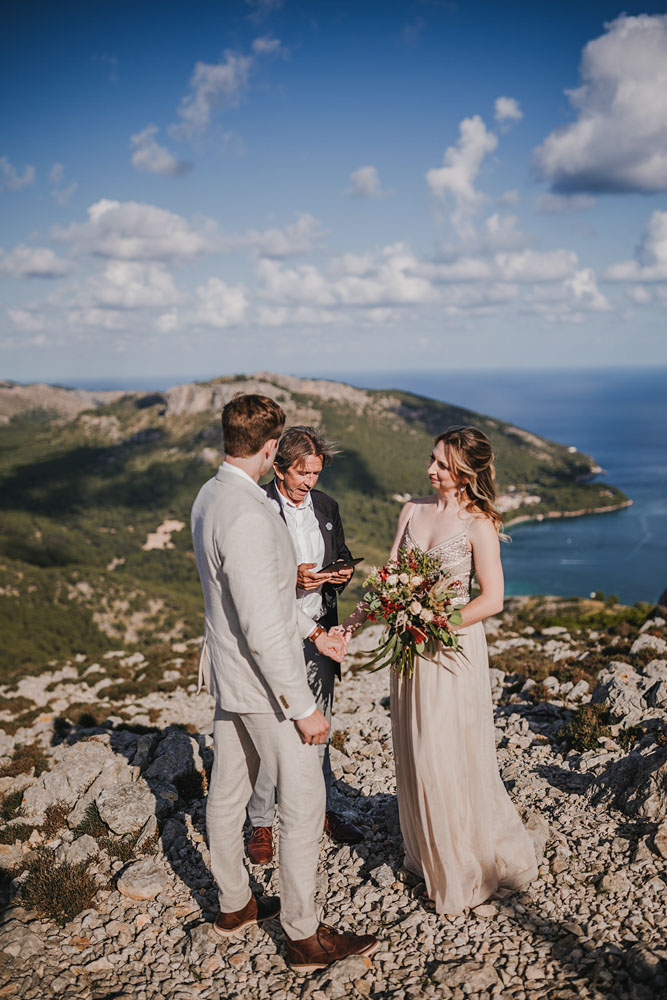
107,883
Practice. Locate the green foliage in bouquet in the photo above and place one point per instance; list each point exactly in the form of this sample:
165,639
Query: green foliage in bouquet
414,598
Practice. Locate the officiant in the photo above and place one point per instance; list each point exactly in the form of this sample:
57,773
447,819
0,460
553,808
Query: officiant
315,526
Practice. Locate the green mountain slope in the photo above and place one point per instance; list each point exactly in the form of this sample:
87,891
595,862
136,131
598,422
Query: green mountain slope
80,494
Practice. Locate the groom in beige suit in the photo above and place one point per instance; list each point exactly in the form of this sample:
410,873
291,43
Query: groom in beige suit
253,664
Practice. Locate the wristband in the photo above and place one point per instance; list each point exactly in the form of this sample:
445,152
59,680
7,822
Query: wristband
316,633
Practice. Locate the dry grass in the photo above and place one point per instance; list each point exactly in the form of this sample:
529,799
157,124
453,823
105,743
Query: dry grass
24,759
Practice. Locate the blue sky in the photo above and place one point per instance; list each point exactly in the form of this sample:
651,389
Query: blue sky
205,188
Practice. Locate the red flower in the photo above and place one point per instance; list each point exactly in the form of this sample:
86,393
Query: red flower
417,634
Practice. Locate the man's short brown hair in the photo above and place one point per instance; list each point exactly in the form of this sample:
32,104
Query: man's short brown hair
248,422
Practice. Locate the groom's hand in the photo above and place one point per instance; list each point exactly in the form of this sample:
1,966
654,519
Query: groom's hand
333,646
313,729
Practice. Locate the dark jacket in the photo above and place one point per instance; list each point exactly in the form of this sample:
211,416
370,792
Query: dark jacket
331,526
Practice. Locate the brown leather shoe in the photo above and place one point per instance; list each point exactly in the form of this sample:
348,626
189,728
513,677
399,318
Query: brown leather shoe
257,909
326,946
340,830
260,845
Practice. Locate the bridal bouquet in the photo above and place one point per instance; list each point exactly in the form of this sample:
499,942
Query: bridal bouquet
412,596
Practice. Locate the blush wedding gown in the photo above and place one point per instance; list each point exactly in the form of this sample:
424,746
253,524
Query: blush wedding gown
461,831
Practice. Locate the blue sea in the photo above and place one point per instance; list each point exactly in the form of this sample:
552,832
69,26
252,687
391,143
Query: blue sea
619,417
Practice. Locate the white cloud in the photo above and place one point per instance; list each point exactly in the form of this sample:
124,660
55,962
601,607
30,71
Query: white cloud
134,231
365,183
266,45
507,109
211,85
510,197
295,238
639,294
150,155
618,142
263,8
525,267
33,262
583,287
462,164
26,319
11,180
650,262
60,194
221,305
167,321
557,204
131,285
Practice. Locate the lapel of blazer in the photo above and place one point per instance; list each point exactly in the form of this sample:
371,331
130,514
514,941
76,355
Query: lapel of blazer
327,533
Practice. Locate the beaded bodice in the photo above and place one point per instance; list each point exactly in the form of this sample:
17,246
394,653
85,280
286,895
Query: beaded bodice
454,555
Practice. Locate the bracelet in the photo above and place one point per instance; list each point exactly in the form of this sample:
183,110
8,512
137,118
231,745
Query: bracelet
316,633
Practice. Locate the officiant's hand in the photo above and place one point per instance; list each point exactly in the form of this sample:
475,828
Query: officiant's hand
313,729
342,576
333,646
307,580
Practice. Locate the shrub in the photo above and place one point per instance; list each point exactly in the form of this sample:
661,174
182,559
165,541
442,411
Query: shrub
10,806
338,740
91,823
586,727
57,891
55,818
24,759
17,831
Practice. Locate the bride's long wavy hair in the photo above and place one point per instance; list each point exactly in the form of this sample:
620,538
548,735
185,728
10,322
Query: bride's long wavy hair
471,465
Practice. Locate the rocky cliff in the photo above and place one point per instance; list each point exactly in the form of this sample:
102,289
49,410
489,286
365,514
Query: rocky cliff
105,763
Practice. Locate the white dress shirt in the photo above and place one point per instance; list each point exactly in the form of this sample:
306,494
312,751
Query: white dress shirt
309,544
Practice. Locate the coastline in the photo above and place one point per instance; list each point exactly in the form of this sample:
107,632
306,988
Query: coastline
555,514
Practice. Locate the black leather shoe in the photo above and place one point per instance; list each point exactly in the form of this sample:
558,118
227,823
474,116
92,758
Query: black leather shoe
341,830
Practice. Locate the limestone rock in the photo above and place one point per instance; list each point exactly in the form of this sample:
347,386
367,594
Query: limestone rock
176,756
622,687
125,808
538,830
660,839
114,773
19,941
646,641
479,976
143,880
69,779
81,849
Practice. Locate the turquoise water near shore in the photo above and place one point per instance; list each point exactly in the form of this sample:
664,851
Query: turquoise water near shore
618,417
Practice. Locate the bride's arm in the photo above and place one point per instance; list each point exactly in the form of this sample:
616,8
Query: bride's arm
488,570
357,617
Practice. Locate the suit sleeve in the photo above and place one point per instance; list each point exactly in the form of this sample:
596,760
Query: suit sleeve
254,575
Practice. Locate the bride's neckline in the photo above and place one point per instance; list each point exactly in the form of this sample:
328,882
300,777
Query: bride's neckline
434,547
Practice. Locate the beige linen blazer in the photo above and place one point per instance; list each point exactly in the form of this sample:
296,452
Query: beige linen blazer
252,657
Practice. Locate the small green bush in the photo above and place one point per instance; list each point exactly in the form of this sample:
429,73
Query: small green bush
57,891
586,727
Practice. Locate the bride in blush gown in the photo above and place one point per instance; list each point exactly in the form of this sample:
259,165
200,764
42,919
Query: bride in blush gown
462,833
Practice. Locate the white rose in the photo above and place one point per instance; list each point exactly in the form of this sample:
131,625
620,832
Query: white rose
415,608
404,578
417,581
426,615
391,580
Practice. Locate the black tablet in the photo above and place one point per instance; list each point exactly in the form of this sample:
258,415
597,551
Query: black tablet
338,564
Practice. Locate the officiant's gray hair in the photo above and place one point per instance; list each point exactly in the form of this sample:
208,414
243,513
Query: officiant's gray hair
299,442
